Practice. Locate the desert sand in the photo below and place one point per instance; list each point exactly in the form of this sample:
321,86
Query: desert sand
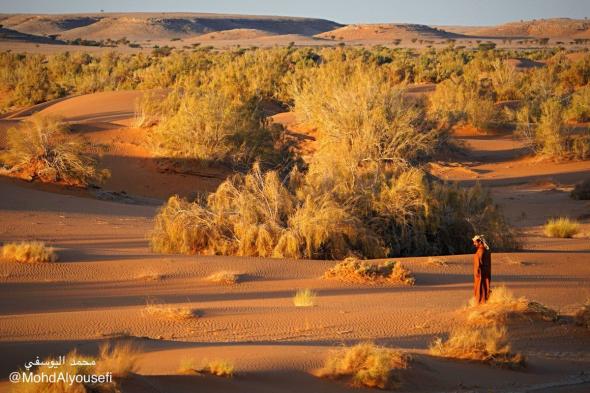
106,275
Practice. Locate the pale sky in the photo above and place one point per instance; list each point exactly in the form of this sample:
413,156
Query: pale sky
433,12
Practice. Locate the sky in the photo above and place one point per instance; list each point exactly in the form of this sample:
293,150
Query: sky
433,12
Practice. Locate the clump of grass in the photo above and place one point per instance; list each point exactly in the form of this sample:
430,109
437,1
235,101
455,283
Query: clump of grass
225,278
561,227
366,364
433,261
355,270
42,148
486,344
304,298
29,252
219,368
581,191
167,311
119,359
582,316
502,304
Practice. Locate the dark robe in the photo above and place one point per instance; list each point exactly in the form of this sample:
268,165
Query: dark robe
482,274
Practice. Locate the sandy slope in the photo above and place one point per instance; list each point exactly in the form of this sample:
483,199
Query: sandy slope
107,274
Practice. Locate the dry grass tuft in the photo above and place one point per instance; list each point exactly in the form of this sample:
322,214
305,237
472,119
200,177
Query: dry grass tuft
219,368
120,359
225,278
167,311
28,252
582,317
305,298
486,344
502,304
433,261
562,227
354,270
366,365
43,148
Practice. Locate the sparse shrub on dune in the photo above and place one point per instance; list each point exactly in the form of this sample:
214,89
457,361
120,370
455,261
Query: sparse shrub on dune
581,191
367,365
488,344
224,277
561,227
304,298
28,252
119,359
42,148
582,316
579,108
354,270
502,305
167,311
219,368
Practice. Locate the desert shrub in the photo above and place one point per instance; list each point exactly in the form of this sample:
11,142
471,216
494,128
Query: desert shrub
224,277
28,252
354,270
502,304
42,148
582,316
579,108
486,344
118,359
561,227
366,365
304,298
219,368
167,311
578,146
581,191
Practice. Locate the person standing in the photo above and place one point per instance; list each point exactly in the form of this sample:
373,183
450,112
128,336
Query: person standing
482,270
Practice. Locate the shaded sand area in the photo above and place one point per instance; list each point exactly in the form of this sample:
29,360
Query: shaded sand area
106,276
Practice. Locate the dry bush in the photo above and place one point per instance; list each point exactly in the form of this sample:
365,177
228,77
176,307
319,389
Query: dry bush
219,368
582,316
118,359
305,298
581,191
366,365
167,311
502,304
579,108
28,252
487,344
354,270
561,227
225,278
42,148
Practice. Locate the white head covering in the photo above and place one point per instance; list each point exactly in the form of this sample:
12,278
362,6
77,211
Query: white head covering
482,239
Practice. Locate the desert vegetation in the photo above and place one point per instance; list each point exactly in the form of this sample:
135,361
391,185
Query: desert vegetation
488,344
42,148
219,368
305,298
225,278
367,365
561,227
581,191
355,270
167,311
582,316
28,252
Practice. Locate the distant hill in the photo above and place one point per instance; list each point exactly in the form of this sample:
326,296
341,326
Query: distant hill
151,26
537,28
386,32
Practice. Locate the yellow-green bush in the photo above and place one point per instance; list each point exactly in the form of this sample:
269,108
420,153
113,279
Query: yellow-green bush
43,149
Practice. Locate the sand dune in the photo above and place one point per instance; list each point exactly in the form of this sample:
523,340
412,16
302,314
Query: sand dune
157,26
537,28
386,32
